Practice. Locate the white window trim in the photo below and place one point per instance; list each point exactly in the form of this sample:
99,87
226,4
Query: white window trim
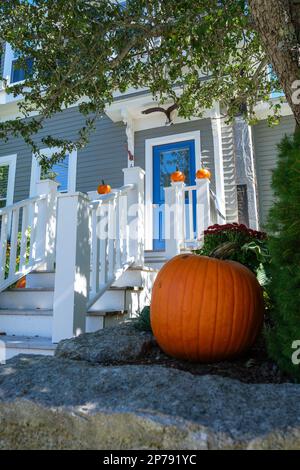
149,144
36,170
11,161
9,58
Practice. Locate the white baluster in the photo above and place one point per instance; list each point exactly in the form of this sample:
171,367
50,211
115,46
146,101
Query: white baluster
111,237
136,217
191,216
95,251
203,207
3,245
103,243
24,238
48,221
13,243
34,210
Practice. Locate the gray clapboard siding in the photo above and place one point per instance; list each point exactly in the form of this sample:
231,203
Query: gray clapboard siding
266,140
103,157
228,146
207,147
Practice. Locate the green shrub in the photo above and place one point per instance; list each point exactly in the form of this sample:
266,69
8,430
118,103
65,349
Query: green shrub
284,226
238,243
142,321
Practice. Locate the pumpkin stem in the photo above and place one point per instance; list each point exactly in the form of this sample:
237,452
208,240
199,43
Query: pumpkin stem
224,251
103,182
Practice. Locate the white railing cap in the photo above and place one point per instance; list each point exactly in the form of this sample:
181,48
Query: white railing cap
23,203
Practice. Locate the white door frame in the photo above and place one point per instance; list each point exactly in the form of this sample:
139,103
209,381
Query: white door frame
11,161
149,144
36,169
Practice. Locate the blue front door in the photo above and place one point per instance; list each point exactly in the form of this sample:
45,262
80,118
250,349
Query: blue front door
166,158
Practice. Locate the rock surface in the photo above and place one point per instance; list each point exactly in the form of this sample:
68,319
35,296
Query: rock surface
55,403
122,343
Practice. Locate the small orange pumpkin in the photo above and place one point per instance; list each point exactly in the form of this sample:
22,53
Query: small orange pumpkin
103,188
177,176
203,173
21,283
204,309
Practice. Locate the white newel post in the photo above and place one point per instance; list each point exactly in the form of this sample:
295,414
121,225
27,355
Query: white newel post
46,225
203,207
174,219
72,279
136,213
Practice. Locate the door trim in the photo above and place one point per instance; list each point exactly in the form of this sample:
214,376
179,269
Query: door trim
11,161
149,144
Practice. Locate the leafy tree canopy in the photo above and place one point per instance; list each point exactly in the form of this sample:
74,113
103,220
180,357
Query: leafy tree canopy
194,52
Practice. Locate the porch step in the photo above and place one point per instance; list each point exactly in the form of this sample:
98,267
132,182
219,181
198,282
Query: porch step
40,279
26,345
118,299
27,299
97,320
29,322
134,276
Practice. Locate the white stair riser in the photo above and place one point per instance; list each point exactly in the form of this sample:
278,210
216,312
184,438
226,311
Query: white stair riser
135,278
136,301
26,325
110,300
23,299
40,280
155,264
94,324
131,277
12,352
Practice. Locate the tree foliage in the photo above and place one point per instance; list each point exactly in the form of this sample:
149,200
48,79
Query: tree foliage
191,52
284,224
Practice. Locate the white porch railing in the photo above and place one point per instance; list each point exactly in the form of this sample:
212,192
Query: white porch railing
96,242
109,241
190,210
27,240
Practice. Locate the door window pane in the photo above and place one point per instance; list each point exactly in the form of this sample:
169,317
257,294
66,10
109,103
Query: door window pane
169,161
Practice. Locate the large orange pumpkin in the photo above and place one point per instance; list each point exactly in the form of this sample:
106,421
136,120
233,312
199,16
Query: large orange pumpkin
205,309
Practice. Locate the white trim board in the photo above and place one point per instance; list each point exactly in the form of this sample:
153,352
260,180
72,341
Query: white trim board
11,161
36,170
149,144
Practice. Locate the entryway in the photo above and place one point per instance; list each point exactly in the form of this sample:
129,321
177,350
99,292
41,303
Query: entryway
166,159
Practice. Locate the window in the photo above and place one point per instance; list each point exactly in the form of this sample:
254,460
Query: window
18,74
4,170
59,172
7,179
272,76
63,172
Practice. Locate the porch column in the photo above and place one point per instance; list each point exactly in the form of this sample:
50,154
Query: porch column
218,159
174,219
73,258
245,173
46,239
136,213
